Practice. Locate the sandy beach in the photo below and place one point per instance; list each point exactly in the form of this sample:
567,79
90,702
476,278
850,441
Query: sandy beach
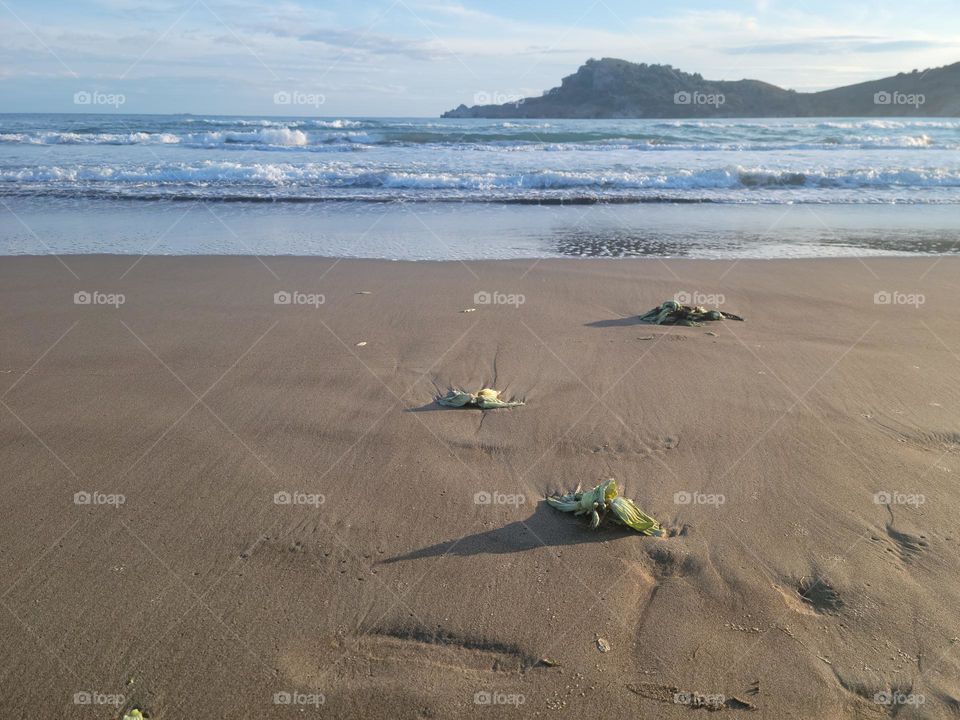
218,505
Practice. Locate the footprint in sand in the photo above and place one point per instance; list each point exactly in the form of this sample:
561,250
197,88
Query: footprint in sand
812,595
669,562
907,546
820,595
418,644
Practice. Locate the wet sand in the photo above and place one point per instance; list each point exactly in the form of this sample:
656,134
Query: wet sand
220,506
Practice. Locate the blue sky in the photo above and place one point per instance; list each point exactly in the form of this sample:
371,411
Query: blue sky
421,57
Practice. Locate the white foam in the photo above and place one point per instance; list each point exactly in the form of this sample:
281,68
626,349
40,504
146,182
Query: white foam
338,174
282,136
337,123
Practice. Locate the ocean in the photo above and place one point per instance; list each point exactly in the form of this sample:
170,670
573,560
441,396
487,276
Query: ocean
405,188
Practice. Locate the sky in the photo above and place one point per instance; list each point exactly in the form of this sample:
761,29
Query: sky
417,58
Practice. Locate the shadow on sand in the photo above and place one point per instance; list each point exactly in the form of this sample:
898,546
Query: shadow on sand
546,527
618,322
433,406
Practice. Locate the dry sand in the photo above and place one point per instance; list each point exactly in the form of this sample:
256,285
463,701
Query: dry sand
785,585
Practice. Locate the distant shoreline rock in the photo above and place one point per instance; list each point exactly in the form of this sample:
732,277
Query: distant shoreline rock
611,88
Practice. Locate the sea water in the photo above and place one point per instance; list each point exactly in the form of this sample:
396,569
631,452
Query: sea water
406,188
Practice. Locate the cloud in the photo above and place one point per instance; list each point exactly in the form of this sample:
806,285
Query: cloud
906,45
374,44
457,11
840,44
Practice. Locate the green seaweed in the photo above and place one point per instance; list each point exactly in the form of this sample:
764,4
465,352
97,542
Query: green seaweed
485,399
602,499
673,313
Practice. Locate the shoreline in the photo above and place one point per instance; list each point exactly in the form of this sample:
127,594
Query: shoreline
441,231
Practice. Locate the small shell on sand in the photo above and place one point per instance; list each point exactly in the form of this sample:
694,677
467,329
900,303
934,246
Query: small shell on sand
602,644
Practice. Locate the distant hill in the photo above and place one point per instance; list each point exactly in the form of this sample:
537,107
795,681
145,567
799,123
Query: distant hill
611,88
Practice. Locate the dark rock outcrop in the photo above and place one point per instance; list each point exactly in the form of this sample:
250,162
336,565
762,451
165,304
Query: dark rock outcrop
611,88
